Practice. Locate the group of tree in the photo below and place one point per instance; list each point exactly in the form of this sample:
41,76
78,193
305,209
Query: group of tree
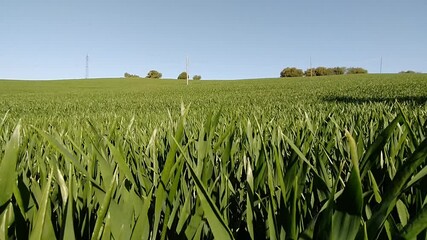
128,75
321,71
356,70
184,76
408,71
154,74
150,74
291,72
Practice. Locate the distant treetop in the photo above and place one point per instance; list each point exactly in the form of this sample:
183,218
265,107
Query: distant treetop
356,70
291,72
408,71
128,75
154,74
182,75
321,71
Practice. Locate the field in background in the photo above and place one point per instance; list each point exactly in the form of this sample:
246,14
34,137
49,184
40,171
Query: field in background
148,99
138,158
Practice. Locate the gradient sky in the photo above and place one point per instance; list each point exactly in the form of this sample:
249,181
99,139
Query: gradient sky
224,39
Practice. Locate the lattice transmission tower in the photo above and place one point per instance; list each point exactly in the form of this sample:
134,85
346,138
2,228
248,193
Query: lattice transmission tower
87,66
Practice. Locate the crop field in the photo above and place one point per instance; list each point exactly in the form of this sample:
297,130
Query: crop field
339,157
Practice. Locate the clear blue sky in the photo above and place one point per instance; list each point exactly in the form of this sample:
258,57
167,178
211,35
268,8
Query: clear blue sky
224,39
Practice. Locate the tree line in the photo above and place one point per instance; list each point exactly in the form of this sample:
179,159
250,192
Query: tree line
287,72
321,71
154,74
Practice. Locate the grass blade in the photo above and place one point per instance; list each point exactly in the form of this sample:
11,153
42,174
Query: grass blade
185,213
165,175
102,212
250,200
348,208
63,150
216,222
394,189
272,234
37,232
5,221
417,177
69,222
374,187
416,225
8,166
142,225
121,162
375,148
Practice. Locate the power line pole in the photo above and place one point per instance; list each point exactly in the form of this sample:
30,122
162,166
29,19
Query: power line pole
311,69
87,66
381,65
186,68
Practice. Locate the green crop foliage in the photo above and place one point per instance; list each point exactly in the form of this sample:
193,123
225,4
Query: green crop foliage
336,157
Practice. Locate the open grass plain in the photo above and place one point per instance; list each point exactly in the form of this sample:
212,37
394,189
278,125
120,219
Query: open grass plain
337,157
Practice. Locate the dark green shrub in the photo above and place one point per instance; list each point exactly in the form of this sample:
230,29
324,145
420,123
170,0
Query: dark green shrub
337,70
128,75
356,70
408,71
322,71
310,72
154,74
291,72
182,75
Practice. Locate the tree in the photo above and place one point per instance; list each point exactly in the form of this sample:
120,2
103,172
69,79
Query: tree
408,71
291,72
128,75
197,77
338,70
322,71
310,72
356,70
154,74
182,75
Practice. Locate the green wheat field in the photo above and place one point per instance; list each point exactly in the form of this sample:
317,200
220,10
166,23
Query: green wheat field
337,157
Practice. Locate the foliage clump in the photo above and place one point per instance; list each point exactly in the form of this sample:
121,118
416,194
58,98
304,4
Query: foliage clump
356,70
408,71
128,75
154,74
324,71
338,70
197,77
291,72
310,72
183,75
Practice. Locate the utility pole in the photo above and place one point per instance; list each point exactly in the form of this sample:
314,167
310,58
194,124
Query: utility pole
381,65
186,68
87,66
311,69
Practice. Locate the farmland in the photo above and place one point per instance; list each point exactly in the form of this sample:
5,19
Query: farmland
338,157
